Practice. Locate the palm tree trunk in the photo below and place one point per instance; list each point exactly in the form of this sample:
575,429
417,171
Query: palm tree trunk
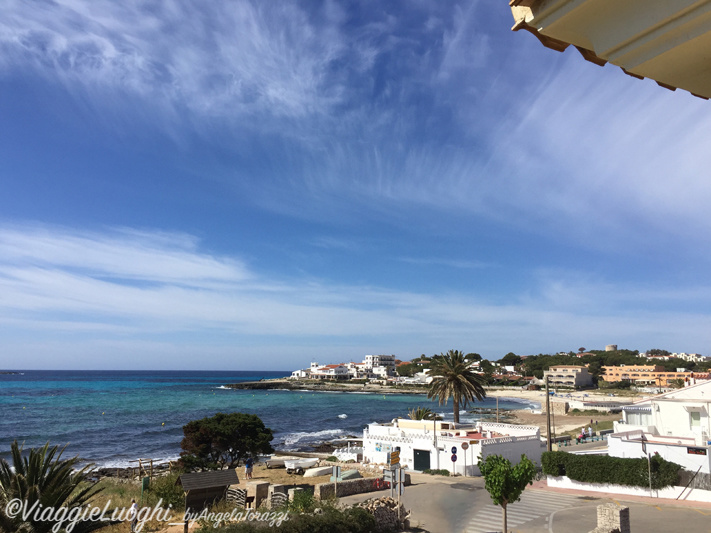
455,401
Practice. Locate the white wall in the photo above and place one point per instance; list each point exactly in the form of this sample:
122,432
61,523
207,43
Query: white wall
672,493
619,447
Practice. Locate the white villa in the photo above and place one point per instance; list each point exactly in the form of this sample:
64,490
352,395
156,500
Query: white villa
677,425
373,367
430,444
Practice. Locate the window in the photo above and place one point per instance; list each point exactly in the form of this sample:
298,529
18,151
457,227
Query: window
695,419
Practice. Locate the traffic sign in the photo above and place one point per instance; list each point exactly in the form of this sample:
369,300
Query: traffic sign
465,446
388,475
394,458
454,450
454,457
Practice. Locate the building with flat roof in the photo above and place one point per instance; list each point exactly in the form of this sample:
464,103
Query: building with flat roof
568,376
677,425
430,444
643,375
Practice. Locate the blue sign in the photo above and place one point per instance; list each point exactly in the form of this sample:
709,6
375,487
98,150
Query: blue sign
454,450
454,457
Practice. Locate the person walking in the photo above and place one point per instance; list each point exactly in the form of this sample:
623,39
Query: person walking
133,515
248,465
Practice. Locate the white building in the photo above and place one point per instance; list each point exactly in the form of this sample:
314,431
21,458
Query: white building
332,372
691,357
677,425
428,444
387,362
358,371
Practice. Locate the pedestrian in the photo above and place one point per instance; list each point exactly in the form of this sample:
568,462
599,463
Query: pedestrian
248,465
133,515
590,431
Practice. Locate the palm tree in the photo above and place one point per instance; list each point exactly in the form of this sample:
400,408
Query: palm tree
41,479
421,413
453,378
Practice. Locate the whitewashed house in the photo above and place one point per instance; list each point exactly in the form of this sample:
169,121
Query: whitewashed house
385,364
332,372
428,444
676,425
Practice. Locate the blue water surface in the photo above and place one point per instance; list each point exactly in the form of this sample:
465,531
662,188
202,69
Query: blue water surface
112,417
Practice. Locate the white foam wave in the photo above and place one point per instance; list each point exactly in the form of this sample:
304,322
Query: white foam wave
304,437
130,463
343,416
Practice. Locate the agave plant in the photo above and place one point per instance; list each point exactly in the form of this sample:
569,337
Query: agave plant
43,478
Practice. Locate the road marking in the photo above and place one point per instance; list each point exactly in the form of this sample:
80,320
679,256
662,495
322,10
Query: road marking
533,504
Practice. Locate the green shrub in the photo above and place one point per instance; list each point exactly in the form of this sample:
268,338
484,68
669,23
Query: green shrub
435,472
165,488
303,502
611,470
332,459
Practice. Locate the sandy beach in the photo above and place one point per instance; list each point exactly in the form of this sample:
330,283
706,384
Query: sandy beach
560,423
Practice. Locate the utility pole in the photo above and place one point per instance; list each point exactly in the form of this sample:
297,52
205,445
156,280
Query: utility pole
548,417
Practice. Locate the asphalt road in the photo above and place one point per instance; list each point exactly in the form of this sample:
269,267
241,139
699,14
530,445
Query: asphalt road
457,505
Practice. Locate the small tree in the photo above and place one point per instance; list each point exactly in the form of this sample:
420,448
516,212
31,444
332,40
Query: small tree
223,441
506,483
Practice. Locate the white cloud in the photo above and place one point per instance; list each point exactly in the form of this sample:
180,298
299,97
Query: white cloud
234,57
45,297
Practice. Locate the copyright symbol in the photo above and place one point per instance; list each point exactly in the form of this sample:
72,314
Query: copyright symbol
13,508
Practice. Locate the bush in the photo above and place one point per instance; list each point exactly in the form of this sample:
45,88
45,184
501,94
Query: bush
165,488
332,459
303,502
435,472
611,470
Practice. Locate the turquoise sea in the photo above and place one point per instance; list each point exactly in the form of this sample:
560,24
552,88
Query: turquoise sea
112,417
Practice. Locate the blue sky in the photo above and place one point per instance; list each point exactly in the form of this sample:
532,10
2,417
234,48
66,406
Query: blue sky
255,185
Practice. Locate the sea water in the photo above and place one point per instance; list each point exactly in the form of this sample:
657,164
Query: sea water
113,417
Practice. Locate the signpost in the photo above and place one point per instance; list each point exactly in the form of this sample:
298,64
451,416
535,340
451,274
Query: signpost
454,459
465,447
336,472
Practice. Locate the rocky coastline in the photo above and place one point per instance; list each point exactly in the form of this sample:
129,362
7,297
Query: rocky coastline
330,386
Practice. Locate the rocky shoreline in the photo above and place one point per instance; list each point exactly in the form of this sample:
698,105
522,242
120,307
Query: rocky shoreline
332,386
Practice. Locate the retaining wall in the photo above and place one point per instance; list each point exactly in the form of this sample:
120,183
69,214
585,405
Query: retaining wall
353,486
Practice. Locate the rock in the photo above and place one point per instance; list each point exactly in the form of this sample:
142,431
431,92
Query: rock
385,511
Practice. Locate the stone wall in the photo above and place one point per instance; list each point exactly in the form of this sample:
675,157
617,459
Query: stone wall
557,408
612,518
353,486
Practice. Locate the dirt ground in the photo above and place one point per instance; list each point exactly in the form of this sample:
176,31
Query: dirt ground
560,423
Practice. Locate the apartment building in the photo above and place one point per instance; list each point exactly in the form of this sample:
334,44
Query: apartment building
643,374
568,376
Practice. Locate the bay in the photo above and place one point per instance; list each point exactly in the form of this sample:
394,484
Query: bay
113,417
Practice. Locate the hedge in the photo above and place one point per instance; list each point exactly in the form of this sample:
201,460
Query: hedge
611,470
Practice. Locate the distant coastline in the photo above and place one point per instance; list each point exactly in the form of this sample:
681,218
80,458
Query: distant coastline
327,386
